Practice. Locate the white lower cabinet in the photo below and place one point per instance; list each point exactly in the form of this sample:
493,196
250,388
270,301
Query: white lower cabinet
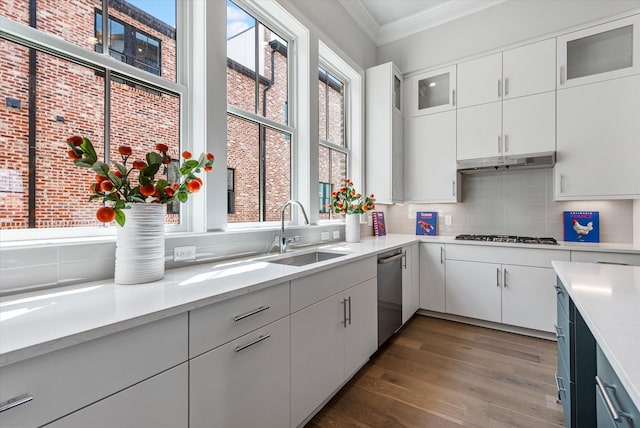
159,402
244,383
330,340
410,282
605,258
513,286
432,276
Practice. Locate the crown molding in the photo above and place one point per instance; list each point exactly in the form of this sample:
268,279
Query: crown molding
416,23
363,18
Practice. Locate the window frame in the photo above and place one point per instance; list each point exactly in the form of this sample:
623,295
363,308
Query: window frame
30,37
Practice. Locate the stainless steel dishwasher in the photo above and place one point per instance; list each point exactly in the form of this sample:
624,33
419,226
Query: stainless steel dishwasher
389,294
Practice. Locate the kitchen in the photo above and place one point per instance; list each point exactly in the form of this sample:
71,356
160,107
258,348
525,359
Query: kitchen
517,202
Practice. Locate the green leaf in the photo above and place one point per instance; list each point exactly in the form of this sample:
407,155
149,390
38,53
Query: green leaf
101,168
117,181
120,217
151,170
161,184
120,204
92,197
183,196
154,158
136,198
89,150
83,163
121,168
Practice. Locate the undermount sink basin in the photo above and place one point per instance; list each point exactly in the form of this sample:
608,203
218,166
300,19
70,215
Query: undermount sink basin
306,258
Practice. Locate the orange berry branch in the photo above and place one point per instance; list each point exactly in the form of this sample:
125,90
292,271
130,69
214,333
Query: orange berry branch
115,186
347,200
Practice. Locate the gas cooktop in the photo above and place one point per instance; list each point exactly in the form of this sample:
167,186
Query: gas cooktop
508,238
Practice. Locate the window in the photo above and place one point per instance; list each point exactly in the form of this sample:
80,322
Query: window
53,91
130,45
259,136
333,151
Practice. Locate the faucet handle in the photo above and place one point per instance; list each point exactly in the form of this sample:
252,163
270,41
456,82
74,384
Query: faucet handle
292,239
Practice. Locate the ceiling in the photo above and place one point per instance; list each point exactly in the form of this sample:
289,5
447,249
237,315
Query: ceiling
387,20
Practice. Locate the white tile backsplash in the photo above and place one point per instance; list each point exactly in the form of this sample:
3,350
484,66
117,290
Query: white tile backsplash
514,203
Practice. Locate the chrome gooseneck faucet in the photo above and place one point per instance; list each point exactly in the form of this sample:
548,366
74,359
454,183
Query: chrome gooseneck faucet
285,241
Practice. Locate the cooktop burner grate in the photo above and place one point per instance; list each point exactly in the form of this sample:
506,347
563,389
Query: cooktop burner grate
508,238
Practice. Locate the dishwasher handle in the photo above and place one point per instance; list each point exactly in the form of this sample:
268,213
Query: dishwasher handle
390,259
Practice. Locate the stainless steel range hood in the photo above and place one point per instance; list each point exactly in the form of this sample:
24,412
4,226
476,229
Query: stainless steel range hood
505,163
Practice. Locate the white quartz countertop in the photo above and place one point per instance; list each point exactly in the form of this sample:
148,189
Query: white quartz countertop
605,247
38,322
608,298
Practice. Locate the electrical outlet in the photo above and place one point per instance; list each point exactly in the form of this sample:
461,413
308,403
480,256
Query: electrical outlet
184,254
448,219
336,234
324,236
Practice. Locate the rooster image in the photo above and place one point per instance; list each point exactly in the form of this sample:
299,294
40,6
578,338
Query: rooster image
582,230
427,227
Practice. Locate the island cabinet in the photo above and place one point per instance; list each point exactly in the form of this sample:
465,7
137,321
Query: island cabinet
605,258
240,355
507,285
614,406
104,382
333,332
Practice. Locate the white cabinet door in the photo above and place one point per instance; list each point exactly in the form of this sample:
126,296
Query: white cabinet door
529,297
361,331
244,383
432,280
480,131
159,402
529,124
606,51
431,92
430,159
529,69
317,355
410,282
474,289
480,81
598,134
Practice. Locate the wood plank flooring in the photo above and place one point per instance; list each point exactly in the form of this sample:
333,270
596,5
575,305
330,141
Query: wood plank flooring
438,373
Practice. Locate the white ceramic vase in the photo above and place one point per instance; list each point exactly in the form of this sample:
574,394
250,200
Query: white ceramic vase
352,228
140,245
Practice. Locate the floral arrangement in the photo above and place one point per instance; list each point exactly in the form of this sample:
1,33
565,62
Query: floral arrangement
117,188
347,201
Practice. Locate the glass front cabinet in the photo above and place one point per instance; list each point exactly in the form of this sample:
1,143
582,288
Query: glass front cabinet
602,52
431,92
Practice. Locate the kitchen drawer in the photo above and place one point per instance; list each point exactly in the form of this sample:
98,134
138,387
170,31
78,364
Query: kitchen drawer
506,255
214,325
563,297
606,258
563,333
310,289
617,395
158,402
563,386
68,379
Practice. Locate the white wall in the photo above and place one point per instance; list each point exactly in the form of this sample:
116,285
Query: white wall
508,23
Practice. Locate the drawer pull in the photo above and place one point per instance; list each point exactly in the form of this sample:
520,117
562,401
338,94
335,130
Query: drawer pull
615,414
558,379
248,314
258,340
558,289
604,262
558,331
15,402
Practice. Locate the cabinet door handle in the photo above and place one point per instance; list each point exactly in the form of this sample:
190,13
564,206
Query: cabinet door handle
441,255
499,144
562,74
558,289
349,319
506,86
453,97
558,331
504,277
249,314
604,262
258,340
558,378
453,188
497,277
615,414
499,88
561,183
344,313
404,262
506,143
15,402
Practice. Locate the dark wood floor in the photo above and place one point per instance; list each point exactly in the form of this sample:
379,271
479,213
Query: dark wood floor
437,373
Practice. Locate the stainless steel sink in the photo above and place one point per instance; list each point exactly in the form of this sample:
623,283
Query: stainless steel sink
306,258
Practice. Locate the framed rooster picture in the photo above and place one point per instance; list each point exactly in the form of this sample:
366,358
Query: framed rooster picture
581,226
426,223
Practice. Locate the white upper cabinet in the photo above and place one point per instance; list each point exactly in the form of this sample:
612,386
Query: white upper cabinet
431,92
480,81
384,133
529,69
603,52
